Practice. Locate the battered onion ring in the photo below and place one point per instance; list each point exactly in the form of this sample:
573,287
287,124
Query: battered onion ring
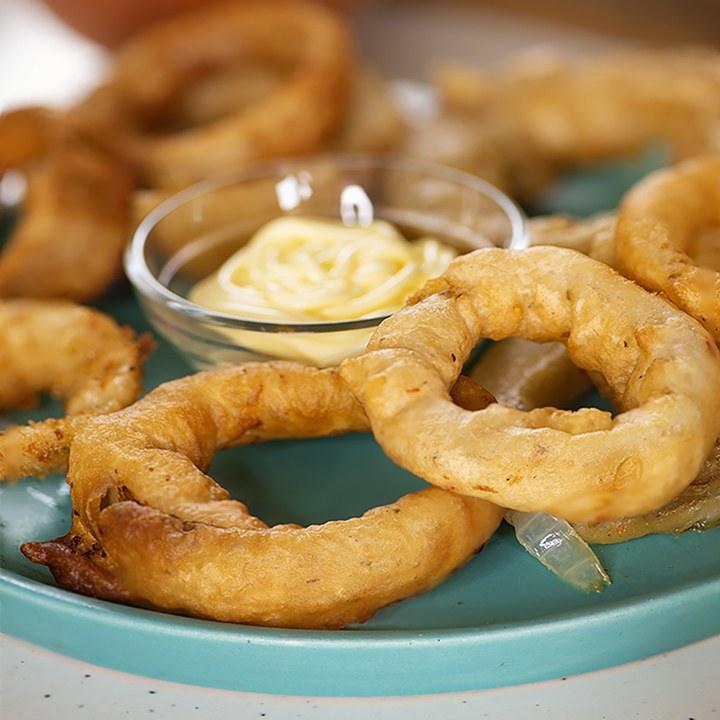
542,113
76,213
656,222
305,41
78,355
661,366
371,123
151,528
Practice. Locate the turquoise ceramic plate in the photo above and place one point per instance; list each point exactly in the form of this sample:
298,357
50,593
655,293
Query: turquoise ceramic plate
501,620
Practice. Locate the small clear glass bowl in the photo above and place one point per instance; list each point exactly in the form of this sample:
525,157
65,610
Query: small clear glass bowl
191,234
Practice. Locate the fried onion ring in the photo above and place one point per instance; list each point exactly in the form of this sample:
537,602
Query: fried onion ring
542,113
75,218
77,355
657,220
371,123
306,42
151,528
606,106
663,370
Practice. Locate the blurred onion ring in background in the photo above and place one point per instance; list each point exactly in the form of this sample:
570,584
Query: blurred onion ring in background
523,123
306,44
75,216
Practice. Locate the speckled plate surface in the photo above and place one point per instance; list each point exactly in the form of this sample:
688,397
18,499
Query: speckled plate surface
501,620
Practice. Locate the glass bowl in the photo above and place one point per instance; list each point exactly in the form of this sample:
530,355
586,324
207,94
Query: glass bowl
189,236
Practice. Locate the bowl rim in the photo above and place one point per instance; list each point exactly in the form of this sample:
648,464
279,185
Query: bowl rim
147,285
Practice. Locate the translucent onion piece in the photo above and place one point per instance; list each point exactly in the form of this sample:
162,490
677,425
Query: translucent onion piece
556,545
696,508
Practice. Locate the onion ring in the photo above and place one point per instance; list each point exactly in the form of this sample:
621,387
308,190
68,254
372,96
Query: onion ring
371,122
308,42
75,218
152,528
78,355
608,106
542,113
661,366
656,222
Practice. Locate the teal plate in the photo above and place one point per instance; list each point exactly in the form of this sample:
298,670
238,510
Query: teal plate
500,620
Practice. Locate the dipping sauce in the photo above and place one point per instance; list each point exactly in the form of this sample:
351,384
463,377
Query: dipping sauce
309,270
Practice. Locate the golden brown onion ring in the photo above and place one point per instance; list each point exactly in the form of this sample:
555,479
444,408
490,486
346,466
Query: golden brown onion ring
307,43
371,122
152,528
604,107
77,355
663,369
75,217
656,222
542,113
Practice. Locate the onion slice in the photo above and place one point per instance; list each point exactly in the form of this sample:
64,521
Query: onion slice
556,544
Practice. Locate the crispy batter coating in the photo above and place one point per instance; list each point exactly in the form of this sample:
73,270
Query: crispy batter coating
657,221
306,43
662,368
152,528
77,355
75,218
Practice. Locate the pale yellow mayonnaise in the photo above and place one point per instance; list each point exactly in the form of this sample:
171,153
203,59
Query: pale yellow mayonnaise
306,270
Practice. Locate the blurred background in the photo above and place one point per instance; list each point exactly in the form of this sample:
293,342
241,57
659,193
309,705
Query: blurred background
42,59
